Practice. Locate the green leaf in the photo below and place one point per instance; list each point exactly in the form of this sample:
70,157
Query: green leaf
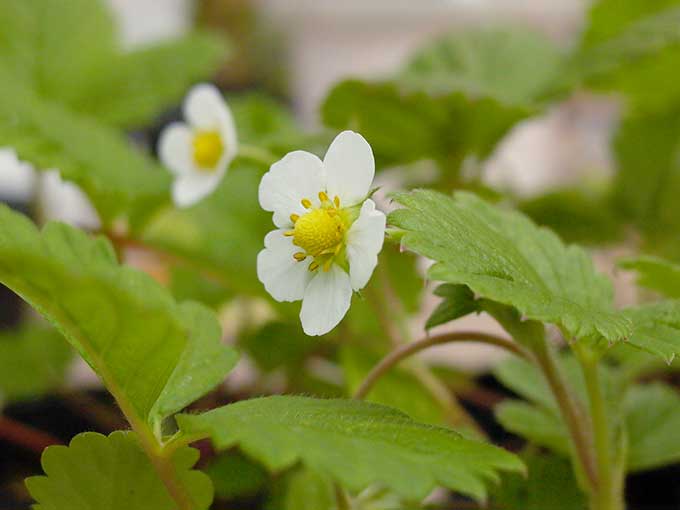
235,476
648,178
538,425
549,485
403,127
511,65
98,472
503,256
33,361
222,234
657,274
279,344
46,44
303,489
653,421
656,328
458,301
632,47
121,182
356,443
154,355
81,66
129,89
398,388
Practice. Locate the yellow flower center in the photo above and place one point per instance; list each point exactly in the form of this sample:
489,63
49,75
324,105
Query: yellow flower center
208,149
319,231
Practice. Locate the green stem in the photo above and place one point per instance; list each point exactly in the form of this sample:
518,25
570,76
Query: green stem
257,154
404,351
571,413
608,495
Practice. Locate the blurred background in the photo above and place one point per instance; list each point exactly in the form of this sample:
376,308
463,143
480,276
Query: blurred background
560,155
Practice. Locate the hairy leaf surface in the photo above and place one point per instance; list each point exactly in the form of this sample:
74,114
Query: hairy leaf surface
155,356
357,443
97,472
503,256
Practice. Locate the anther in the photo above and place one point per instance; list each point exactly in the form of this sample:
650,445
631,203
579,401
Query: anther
323,196
306,203
314,266
289,233
299,256
336,201
294,217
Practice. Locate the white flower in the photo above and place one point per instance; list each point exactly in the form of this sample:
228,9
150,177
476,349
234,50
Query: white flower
199,151
329,233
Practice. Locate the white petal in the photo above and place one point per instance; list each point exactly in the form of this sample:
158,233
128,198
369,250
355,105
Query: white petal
350,167
189,189
326,301
175,148
283,277
205,109
364,241
298,175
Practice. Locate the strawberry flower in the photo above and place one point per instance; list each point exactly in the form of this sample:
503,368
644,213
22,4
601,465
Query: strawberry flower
329,232
199,150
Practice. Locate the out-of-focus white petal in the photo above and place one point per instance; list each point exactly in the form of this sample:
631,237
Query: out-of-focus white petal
204,107
296,176
190,188
283,277
326,301
175,148
350,168
364,241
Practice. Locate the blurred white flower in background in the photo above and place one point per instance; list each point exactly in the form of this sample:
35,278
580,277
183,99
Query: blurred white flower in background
18,178
199,150
329,232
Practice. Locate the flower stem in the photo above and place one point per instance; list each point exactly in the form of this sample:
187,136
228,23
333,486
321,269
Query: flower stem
571,413
257,154
404,351
608,495
342,501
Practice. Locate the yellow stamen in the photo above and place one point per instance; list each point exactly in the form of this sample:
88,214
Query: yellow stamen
327,265
299,256
294,217
336,201
313,266
318,231
322,196
208,149
306,203
289,233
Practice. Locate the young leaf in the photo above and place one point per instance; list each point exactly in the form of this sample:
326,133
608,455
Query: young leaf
357,443
97,472
154,355
657,274
405,127
458,301
120,181
653,420
656,328
33,360
503,256
511,65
